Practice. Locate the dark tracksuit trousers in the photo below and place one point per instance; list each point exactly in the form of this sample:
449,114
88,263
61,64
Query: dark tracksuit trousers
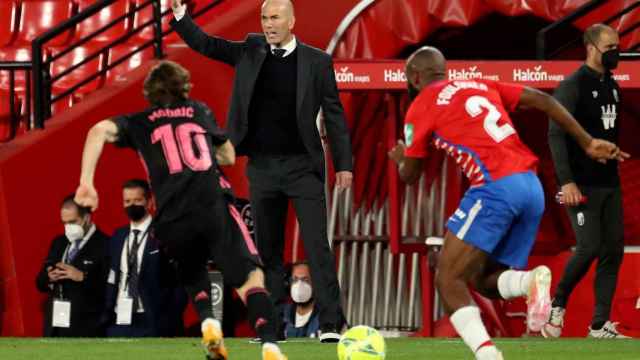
599,236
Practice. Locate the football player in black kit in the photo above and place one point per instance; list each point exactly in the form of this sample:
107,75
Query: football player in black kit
180,144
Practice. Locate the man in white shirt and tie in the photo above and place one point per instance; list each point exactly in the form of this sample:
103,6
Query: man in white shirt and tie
136,298
73,275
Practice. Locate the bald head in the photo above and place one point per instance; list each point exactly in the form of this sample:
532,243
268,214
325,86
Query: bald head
278,19
600,39
285,5
424,66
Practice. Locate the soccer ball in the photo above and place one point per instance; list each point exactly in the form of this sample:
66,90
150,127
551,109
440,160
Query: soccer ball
361,343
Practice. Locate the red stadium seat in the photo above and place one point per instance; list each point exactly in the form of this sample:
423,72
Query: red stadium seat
21,53
145,15
118,52
8,21
74,57
5,116
39,16
62,104
14,54
104,17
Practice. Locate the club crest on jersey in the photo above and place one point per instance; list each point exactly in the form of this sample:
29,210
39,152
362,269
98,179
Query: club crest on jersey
408,134
459,213
609,116
595,93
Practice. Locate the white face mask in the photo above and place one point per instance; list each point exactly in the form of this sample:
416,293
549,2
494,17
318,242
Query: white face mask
301,292
73,232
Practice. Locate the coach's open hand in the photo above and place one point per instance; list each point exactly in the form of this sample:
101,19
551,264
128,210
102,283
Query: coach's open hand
87,196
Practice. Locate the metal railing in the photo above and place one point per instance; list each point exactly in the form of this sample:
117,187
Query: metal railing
382,284
42,78
382,288
14,101
543,49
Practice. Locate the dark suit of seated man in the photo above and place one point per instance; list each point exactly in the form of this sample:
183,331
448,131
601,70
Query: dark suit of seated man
139,303
73,275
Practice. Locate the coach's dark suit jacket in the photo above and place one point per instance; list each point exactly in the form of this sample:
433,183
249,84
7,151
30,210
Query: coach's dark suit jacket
154,292
87,297
316,88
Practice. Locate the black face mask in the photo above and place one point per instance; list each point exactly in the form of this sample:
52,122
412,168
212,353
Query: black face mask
610,59
413,92
135,212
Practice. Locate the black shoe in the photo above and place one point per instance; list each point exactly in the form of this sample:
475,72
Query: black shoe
258,340
329,336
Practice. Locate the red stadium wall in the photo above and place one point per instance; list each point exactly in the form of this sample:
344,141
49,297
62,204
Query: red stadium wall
40,168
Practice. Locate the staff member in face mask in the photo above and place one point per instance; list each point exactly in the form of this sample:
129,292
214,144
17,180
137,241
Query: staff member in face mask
590,190
73,275
138,304
301,317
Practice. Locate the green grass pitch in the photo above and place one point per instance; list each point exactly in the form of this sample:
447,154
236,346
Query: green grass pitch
240,349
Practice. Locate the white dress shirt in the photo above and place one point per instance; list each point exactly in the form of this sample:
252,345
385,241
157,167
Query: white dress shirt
124,266
289,47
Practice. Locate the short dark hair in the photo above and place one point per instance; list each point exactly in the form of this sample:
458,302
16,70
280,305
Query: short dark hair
300,263
167,83
138,184
593,32
68,201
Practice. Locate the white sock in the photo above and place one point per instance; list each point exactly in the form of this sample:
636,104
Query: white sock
469,326
214,322
270,346
513,284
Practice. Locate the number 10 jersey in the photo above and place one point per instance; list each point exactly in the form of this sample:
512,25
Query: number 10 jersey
177,147
470,121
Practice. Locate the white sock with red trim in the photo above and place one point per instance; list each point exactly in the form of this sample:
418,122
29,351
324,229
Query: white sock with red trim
513,284
468,324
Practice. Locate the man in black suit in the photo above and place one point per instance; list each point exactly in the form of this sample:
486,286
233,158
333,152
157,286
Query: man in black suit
74,274
279,88
139,304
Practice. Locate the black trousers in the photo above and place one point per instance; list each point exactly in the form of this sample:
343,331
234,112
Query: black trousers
140,327
599,235
273,181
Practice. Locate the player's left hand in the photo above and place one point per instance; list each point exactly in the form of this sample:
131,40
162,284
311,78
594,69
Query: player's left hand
602,150
397,152
343,179
86,195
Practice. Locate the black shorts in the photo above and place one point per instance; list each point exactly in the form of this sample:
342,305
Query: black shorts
216,233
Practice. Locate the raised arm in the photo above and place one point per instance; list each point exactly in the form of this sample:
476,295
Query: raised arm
103,132
567,96
213,47
597,149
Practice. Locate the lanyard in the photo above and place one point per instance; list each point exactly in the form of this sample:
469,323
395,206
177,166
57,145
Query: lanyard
128,246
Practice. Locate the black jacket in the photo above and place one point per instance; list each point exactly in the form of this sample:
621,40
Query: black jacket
87,297
316,87
154,292
594,100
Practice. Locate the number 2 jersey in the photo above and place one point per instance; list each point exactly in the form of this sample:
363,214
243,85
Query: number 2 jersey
177,147
470,121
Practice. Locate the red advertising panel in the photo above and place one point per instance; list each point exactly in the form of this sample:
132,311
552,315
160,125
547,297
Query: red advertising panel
540,74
